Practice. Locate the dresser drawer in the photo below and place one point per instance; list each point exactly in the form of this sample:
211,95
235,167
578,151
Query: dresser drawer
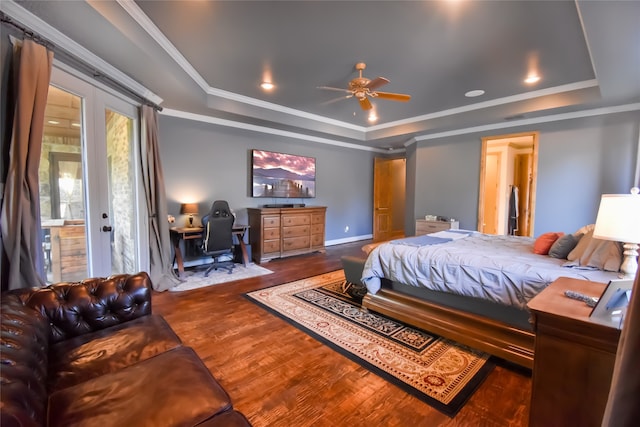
317,229
295,231
271,233
271,221
294,243
270,246
290,220
426,227
317,240
317,219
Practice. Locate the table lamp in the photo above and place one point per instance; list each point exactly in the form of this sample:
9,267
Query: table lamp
619,220
189,209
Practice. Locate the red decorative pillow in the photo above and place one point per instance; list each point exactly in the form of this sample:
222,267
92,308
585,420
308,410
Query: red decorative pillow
543,243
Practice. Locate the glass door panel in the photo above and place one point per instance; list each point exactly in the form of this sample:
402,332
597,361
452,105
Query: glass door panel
62,203
121,186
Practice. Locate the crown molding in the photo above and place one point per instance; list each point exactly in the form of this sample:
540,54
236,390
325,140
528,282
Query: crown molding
535,120
59,40
266,130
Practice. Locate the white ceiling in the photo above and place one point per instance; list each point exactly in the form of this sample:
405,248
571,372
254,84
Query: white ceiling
208,58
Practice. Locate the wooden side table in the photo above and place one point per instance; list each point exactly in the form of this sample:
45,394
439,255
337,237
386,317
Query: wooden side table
574,357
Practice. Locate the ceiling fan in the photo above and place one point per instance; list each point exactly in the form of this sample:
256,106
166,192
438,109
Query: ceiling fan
362,88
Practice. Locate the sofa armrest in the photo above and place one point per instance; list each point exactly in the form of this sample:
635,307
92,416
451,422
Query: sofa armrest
75,308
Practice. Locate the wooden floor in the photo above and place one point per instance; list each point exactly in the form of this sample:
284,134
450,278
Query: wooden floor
279,376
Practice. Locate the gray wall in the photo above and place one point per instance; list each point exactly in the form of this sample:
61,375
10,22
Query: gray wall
578,161
204,162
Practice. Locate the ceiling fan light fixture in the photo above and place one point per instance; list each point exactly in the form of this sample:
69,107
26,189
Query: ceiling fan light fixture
531,79
474,93
267,86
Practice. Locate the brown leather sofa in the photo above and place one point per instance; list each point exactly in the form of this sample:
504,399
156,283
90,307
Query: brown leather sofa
91,353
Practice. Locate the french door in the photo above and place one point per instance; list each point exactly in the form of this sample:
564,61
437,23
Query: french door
91,211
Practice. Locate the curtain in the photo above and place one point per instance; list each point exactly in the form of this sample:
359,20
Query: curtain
622,407
20,211
161,267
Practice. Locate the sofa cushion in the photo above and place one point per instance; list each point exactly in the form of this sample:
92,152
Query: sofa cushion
108,350
171,389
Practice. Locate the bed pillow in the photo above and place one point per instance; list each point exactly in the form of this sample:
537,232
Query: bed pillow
596,254
564,245
584,230
543,243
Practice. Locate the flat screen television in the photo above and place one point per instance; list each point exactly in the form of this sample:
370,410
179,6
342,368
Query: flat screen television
280,175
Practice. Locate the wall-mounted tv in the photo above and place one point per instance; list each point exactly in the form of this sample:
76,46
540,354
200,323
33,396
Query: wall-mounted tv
282,175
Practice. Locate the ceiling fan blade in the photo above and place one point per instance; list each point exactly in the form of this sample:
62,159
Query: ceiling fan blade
365,104
334,88
340,98
391,96
377,82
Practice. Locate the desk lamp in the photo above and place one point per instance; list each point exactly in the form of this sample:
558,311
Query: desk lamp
619,220
189,209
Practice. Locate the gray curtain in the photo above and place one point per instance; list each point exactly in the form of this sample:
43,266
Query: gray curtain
161,266
623,408
20,211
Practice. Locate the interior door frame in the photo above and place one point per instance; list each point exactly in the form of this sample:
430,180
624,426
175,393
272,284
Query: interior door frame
96,98
534,135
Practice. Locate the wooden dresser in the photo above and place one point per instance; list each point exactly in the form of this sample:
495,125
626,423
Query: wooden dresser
574,357
425,227
283,232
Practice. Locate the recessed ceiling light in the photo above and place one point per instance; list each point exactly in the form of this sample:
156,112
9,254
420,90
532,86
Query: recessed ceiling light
267,85
474,93
532,79
373,117
53,122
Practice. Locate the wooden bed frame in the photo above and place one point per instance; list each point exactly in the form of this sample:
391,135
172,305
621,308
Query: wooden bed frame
494,337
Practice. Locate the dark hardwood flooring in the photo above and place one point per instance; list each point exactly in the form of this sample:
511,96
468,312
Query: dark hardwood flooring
279,376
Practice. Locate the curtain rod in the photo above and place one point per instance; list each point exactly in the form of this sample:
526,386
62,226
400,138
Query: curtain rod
77,63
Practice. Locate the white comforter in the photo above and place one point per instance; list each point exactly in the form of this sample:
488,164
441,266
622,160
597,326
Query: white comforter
502,269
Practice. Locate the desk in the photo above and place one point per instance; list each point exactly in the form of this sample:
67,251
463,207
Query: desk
189,233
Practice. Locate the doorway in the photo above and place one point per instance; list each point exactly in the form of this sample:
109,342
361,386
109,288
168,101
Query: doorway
508,175
89,194
389,195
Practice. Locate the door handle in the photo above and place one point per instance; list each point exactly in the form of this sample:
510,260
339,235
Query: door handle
106,228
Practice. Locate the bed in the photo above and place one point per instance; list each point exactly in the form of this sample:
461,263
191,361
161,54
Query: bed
474,288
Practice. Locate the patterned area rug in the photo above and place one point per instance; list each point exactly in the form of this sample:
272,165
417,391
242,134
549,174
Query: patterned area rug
194,279
438,371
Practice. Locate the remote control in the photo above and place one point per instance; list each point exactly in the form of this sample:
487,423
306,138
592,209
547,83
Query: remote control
590,301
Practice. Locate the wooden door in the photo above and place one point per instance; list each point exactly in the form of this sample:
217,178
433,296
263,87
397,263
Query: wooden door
491,193
522,179
382,197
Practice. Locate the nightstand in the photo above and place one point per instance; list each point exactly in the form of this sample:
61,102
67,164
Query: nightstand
425,227
574,357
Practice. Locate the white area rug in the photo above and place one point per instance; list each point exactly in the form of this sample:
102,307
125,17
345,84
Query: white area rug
195,279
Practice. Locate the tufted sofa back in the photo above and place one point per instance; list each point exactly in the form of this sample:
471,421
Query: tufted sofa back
75,308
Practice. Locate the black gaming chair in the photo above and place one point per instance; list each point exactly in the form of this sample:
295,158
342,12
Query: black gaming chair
218,240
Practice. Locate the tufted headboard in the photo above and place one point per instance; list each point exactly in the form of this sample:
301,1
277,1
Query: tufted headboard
75,308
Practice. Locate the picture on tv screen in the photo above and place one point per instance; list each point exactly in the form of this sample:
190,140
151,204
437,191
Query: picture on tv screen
283,175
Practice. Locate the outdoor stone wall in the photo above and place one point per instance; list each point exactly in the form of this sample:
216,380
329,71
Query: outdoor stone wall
121,187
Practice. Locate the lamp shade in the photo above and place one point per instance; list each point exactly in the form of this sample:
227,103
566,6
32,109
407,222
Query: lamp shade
618,218
189,208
